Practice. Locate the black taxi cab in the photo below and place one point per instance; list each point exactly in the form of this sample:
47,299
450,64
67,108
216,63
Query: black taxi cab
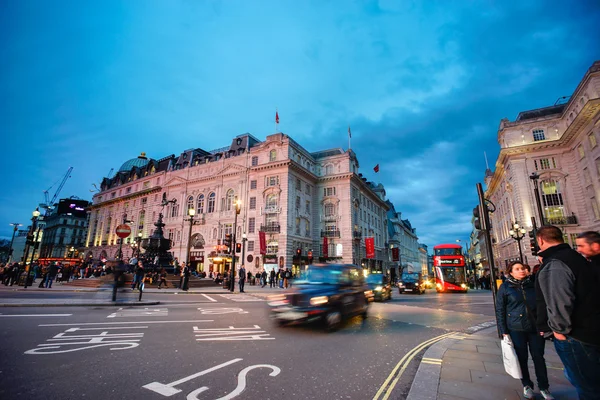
329,293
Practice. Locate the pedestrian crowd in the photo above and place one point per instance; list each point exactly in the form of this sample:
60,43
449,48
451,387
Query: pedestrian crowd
15,273
555,302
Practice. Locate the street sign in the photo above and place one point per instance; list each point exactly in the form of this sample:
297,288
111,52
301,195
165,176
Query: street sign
123,231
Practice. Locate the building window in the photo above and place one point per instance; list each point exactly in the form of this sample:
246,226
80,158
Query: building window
329,191
297,230
592,139
329,210
328,169
251,225
271,181
272,247
581,151
307,228
250,245
552,199
229,200
144,201
174,210
297,202
538,134
253,203
200,204
252,185
598,165
273,155
211,203
190,204
307,209
141,219
254,161
298,185
271,201
308,189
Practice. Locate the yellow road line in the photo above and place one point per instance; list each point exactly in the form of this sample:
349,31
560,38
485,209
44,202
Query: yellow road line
403,363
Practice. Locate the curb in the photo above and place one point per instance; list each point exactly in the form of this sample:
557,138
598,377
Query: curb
430,367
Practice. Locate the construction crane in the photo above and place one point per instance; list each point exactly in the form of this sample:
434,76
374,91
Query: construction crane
49,203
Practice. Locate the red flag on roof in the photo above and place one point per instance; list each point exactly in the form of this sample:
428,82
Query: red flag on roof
276,117
376,168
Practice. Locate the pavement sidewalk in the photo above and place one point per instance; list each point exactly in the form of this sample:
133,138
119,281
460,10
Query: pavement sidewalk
469,366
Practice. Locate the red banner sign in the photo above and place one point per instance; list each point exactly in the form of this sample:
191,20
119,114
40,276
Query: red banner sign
263,243
370,245
395,254
325,247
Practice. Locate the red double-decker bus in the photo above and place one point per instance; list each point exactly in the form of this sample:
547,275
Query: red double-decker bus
450,268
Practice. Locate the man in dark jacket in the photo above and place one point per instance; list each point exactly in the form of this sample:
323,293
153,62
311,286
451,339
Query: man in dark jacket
568,307
588,245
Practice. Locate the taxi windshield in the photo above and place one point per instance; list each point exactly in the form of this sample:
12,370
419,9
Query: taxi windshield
375,278
316,275
410,277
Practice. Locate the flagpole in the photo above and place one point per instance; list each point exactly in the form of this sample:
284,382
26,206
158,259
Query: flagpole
276,120
349,138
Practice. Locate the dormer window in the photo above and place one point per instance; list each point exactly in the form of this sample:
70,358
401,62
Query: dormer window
273,155
538,134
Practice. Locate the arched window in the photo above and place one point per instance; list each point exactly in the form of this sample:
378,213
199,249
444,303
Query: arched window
229,200
141,218
211,203
329,210
552,199
271,201
174,210
190,204
200,204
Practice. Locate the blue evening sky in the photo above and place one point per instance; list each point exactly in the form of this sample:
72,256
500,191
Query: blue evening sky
423,84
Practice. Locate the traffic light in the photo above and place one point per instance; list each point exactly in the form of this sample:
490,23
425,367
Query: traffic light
298,252
477,218
227,241
533,246
238,247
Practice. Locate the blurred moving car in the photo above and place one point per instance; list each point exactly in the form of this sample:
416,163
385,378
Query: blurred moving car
411,282
380,285
329,293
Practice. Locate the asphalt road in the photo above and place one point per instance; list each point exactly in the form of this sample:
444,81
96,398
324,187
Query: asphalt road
218,346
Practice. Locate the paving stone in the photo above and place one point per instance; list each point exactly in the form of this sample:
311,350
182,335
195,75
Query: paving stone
478,342
497,368
476,391
495,379
489,350
473,356
464,347
448,397
463,363
455,374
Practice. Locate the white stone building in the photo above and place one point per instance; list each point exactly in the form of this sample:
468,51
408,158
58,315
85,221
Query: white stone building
300,200
559,143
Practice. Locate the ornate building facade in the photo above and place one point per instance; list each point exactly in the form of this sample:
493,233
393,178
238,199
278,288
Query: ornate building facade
306,204
559,146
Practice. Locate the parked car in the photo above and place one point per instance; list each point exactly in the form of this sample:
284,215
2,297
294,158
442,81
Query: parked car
329,293
411,282
380,285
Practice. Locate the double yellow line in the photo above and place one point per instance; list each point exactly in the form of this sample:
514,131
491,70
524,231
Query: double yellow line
403,364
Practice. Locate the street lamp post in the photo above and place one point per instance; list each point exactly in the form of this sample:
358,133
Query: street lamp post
31,241
238,208
71,252
244,239
518,233
536,191
10,250
191,213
